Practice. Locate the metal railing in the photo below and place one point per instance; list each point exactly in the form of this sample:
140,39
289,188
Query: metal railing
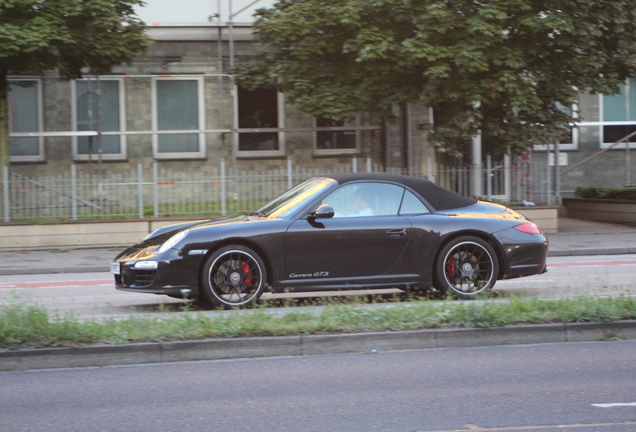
159,192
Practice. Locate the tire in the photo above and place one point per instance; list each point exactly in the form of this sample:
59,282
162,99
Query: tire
466,267
233,276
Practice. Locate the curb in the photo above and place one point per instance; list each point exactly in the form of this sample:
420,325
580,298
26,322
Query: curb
254,347
593,251
55,270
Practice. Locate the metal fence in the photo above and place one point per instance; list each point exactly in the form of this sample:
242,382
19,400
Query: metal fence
77,195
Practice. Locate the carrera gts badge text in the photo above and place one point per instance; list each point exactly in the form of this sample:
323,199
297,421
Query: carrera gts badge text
308,275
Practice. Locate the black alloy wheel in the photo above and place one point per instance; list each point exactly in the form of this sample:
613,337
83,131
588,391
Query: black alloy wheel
233,276
466,267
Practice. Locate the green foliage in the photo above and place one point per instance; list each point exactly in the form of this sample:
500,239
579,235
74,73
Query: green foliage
627,193
72,36
68,35
505,67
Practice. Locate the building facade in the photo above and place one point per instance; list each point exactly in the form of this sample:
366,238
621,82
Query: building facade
178,107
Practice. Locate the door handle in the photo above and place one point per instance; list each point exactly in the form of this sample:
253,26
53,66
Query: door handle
396,232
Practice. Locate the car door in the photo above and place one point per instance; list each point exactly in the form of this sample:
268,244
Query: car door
355,242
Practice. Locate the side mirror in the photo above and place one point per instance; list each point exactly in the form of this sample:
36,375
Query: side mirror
325,211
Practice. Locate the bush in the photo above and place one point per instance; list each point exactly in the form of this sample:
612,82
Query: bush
626,193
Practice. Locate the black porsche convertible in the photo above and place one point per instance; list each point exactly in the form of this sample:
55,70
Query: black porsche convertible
334,232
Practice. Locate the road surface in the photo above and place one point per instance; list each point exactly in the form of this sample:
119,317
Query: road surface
93,294
582,387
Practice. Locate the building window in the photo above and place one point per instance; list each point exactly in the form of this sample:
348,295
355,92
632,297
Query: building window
99,106
25,115
614,133
619,115
571,139
260,116
336,136
621,106
178,107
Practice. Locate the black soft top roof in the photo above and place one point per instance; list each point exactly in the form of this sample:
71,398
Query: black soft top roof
436,196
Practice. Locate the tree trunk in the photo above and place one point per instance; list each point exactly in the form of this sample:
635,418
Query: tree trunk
5,144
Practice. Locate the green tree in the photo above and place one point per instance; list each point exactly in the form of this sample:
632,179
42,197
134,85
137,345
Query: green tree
505,67
71,36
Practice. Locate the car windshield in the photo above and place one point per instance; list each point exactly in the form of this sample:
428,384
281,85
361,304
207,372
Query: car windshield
288,202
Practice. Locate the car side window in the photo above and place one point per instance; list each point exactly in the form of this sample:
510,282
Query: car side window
365,199
412,205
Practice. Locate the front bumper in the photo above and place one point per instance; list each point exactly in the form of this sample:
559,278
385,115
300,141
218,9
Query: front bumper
175,275
160,281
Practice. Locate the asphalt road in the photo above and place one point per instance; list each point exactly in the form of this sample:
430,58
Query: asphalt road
93,294
583,387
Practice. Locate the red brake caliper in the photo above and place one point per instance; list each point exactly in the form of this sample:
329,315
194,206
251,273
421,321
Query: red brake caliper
450,268
247,270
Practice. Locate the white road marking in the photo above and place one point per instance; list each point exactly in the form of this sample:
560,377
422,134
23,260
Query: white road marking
612,405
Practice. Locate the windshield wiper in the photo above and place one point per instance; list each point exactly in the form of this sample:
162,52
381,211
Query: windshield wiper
258,214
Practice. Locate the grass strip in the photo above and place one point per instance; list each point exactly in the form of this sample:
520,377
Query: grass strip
27,325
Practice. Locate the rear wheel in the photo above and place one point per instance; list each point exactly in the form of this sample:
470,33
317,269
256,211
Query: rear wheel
233,276
466,267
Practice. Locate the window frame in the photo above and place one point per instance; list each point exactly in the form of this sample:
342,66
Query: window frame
40,157
280,109
375,187
574,145
337,151
408,193
122,155
201,154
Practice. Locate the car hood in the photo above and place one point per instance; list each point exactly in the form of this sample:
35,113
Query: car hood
172,229
162,234
147,247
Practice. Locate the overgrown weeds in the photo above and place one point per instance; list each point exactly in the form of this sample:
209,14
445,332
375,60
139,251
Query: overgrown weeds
29,325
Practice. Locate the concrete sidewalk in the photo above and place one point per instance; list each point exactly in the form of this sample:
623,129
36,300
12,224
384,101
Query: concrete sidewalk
584,237
575,237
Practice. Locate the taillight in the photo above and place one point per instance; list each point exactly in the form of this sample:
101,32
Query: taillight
529,228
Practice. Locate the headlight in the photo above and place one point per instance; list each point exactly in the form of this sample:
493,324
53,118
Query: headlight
146,265
173,241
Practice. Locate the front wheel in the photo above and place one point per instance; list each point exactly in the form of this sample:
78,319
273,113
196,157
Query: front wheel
466,267
233,276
